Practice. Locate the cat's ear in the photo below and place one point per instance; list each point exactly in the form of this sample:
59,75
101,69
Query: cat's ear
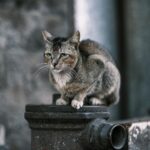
76,37
48,37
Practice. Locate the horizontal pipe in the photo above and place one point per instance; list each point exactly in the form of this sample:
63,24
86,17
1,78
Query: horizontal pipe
103,135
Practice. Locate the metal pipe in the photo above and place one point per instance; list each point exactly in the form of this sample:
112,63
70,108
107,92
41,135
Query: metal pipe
104,135
118,136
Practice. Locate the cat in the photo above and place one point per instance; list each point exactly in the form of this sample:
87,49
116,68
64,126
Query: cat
81,70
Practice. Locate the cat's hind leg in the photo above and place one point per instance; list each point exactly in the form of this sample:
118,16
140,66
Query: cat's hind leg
106,89
110,86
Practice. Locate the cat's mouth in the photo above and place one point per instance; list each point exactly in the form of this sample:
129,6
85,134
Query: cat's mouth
57,70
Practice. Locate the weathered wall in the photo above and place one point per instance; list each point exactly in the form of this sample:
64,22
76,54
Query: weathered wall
21,23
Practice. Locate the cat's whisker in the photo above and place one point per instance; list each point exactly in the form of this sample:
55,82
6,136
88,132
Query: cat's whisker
39,70
41,64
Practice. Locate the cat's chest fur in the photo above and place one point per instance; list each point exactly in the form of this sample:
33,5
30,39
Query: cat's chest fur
61,80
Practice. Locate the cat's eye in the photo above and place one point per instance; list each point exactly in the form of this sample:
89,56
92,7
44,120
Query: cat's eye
64,55
48,55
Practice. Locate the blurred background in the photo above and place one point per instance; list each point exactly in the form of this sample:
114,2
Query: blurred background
123,27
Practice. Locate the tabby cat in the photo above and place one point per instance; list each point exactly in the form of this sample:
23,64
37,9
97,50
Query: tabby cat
81,70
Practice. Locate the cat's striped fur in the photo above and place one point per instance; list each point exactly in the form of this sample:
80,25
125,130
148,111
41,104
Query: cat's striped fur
81,69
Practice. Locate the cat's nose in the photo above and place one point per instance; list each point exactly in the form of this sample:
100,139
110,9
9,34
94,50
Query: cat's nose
54,64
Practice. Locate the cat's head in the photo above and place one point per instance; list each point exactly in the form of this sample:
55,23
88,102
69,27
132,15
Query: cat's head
61,54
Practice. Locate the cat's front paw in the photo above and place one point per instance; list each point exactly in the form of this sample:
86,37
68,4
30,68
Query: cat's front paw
61,101
76,104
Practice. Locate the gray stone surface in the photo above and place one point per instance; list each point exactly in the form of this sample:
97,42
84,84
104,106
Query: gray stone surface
21,48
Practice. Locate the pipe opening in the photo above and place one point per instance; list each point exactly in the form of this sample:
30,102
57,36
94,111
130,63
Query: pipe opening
118,136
